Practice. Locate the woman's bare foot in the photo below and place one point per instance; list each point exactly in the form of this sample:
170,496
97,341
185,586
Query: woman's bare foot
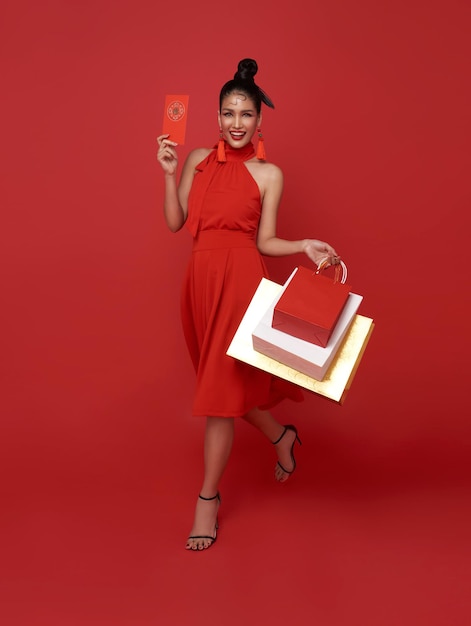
205,525
284,448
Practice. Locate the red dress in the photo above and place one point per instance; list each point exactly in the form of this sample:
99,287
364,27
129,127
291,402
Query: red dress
225,269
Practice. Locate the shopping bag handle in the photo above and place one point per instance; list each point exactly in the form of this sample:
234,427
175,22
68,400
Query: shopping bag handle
338,267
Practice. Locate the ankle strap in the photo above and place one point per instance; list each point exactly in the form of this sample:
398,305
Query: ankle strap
286,428
207,499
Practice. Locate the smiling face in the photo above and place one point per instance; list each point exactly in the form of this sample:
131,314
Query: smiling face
238,119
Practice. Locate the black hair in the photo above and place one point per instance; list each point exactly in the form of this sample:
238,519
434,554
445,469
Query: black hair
243,82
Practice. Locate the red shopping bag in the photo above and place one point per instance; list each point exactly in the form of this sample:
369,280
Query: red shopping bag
311,304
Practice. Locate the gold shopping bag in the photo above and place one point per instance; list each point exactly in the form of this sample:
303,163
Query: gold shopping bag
338,378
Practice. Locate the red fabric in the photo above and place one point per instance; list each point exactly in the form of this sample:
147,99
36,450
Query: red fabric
224,271
226,183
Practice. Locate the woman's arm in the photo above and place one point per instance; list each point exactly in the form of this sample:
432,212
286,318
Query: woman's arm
176,196
267,241
168,159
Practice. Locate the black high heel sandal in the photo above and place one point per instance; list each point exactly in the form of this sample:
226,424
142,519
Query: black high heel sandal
296,439
216,527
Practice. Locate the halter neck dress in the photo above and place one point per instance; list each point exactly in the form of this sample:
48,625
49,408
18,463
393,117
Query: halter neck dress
224,271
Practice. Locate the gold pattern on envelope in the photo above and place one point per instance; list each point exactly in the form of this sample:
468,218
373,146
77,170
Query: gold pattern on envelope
340,374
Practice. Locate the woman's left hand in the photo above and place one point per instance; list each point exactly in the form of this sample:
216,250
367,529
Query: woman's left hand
320,252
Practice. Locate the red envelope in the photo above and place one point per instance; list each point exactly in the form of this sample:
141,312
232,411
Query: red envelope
175,116
310,306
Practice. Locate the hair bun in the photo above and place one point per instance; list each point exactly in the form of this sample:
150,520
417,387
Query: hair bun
246,70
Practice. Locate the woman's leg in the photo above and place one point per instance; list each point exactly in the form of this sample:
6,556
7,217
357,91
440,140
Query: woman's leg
267,424
218,440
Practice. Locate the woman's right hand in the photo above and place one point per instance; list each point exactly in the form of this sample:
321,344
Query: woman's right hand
167,155
320,252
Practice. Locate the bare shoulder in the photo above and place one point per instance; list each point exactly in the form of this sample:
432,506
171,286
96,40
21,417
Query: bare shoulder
266,175
264,170
196,156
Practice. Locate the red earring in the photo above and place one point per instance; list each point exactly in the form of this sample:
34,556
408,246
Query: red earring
221,148
261,156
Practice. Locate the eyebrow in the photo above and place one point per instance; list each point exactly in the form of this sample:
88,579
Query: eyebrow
243,110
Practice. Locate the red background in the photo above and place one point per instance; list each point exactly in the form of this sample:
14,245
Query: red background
100,459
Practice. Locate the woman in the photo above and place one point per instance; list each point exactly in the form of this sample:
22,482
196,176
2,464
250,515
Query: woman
229,197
